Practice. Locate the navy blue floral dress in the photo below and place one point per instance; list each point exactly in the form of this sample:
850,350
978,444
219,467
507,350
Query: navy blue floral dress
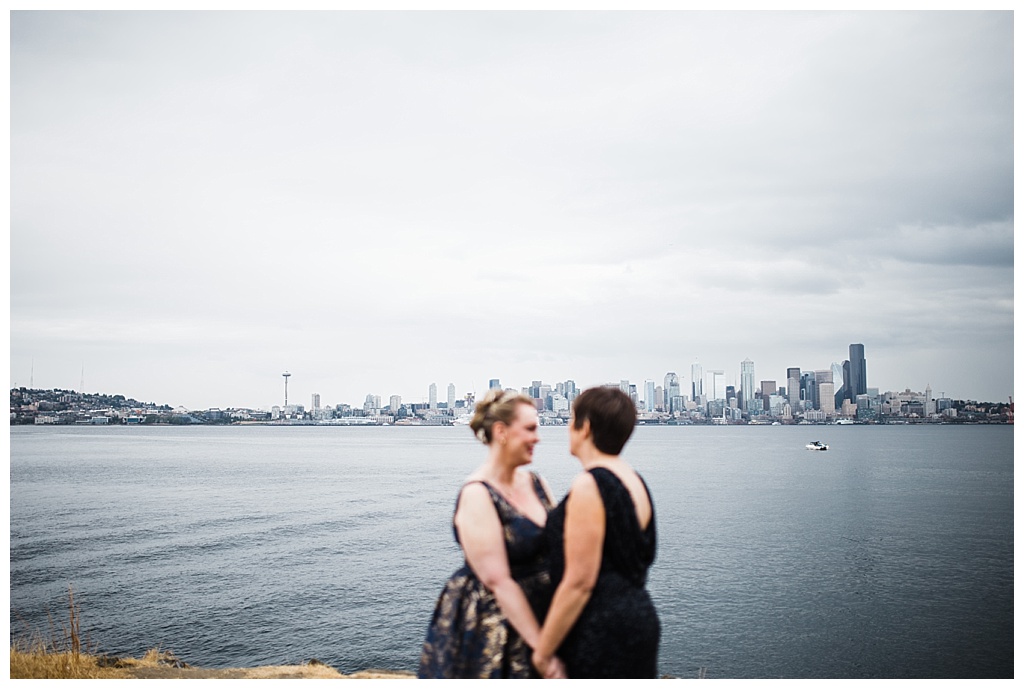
469,636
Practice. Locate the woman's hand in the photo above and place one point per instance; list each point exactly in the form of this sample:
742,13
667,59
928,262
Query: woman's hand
551,667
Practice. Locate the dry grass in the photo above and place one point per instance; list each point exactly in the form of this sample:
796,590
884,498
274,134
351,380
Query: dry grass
43,665
163,665
56,656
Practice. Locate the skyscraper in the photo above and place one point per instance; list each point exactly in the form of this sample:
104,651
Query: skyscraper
768,388
793,386
495,383
809,389
717,390
747,384
822,376
451,397
828,398
696,380
433,396
649,395
858,371
837,384
671,391
570,390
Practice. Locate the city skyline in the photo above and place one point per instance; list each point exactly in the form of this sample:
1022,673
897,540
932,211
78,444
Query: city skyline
851,371
378,201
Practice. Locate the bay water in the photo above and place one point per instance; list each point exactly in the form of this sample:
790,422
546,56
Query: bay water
890,555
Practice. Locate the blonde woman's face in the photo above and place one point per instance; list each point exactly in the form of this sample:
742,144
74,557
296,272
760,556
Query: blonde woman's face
522,434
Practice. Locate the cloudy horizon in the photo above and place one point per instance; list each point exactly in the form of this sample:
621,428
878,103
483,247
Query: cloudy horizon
378,201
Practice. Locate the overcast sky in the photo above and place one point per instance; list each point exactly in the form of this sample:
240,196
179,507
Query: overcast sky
379,201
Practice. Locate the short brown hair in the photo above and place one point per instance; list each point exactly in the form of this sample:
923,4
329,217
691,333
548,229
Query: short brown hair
497,405
612,416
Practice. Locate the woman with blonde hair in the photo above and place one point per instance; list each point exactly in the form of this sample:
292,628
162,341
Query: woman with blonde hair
485,622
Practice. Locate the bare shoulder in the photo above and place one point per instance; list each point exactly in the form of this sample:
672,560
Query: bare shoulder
585,481
474,491
584,491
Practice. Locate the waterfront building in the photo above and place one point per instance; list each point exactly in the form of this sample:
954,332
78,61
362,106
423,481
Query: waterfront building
814,415
858,371
747,385
432,396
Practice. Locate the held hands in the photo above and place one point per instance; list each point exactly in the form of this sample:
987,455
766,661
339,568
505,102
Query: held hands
551,667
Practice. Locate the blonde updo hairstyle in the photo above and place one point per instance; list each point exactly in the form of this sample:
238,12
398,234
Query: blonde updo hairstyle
497,405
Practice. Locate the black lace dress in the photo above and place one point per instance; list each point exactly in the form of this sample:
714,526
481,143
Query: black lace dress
469,636
617,634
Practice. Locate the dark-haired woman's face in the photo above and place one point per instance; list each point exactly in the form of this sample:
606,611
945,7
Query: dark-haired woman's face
575,435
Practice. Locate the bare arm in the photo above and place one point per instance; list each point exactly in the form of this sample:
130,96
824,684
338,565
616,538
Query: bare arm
584,540
483,542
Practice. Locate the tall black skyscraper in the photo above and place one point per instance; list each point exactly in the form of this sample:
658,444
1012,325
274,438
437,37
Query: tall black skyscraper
858,372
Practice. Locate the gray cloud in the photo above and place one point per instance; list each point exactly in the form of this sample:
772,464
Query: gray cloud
377,201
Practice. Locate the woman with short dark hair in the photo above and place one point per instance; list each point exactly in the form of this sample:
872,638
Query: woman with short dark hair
602,622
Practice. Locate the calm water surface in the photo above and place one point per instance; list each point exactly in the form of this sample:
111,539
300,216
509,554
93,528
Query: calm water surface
890,555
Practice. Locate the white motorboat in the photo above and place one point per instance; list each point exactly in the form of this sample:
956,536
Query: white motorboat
816,445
